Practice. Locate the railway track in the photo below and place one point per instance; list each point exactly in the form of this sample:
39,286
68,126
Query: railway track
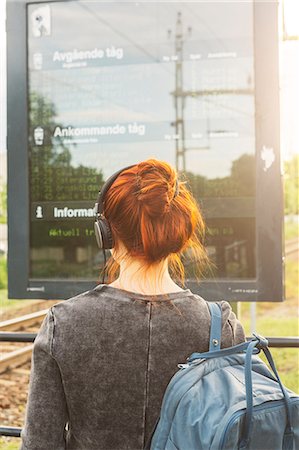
16,354
20,323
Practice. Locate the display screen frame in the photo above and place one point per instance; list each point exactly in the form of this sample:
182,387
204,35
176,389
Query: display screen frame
268,285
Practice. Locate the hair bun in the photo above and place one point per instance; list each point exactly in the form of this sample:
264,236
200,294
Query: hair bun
136,207
156,187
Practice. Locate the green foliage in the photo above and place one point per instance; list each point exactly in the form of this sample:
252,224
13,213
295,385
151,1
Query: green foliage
3,273
240,182
6,303
291,185
3,203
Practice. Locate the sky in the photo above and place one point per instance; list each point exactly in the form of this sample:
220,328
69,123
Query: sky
289,85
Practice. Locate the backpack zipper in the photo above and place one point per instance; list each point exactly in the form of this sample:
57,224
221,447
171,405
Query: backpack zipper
239,413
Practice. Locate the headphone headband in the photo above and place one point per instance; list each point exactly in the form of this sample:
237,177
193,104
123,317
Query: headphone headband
102,228
99,206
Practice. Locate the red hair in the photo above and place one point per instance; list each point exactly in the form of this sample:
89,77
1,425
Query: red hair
151,221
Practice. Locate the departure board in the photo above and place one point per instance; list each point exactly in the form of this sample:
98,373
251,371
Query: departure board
112,84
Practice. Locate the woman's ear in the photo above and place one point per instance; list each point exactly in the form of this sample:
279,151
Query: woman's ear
113,252
119,252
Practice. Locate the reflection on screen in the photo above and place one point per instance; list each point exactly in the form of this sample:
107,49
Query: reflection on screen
112,84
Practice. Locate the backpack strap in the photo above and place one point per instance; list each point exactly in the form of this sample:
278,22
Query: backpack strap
216,326
215,339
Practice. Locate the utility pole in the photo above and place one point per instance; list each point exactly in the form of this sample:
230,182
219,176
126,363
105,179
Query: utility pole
180,96
179,99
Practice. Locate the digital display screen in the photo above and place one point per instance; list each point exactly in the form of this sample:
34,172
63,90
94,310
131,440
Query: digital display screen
113,84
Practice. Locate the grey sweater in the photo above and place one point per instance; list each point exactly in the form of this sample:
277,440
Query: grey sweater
102,360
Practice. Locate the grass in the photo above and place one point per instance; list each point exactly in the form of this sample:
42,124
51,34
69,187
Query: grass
291,280
12,445
286,359
9,304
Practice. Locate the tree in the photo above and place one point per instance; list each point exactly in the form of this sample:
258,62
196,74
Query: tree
53,177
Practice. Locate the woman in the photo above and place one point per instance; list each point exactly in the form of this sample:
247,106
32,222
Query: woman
102,359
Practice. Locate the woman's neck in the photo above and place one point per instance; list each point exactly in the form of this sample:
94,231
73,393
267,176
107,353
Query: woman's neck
155,281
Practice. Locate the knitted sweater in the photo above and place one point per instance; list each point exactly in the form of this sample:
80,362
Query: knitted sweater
102,360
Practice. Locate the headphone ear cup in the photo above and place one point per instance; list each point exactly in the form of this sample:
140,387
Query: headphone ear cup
103,234
98,234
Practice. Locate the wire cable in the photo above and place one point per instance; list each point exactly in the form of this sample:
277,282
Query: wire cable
104,268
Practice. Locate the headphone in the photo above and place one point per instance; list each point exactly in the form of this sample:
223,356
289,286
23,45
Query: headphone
101,225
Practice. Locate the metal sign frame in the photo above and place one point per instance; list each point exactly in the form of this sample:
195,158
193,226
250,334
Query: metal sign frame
269,282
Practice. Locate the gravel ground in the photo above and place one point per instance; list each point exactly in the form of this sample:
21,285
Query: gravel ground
14,383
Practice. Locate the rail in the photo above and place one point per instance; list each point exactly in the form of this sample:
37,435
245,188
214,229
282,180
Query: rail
23,321
278,342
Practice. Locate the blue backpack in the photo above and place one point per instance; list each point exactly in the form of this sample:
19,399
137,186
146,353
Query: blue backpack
227,399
